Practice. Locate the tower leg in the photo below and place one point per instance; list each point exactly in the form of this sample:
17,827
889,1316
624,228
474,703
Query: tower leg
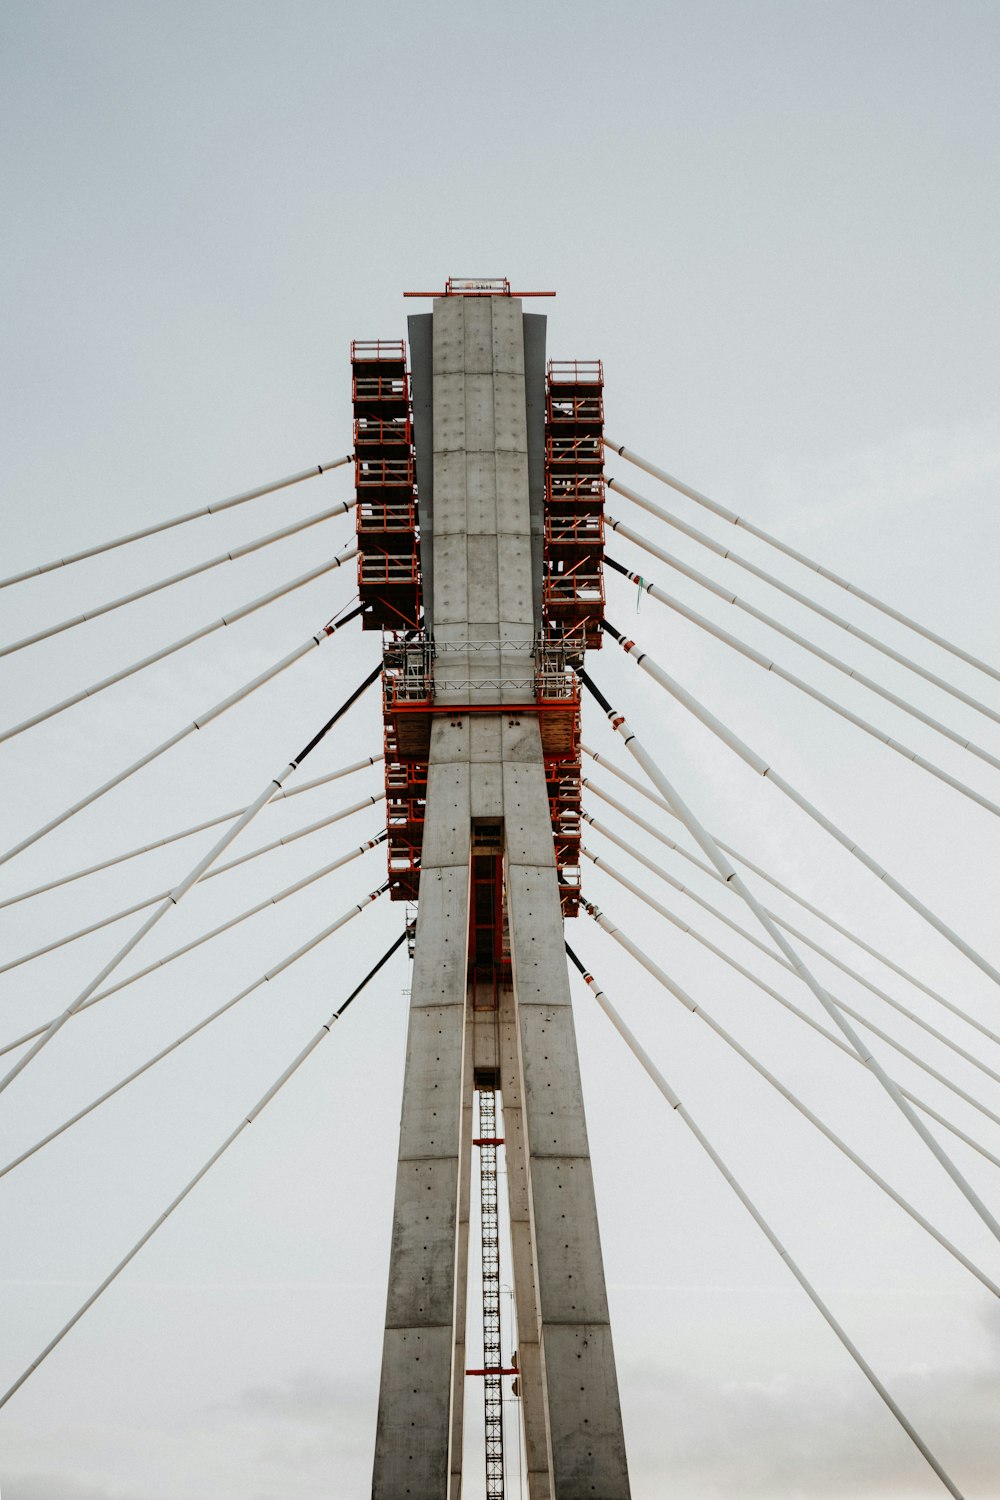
577,1358
462,1260
414,1431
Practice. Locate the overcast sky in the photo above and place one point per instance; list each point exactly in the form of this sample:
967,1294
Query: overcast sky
777,224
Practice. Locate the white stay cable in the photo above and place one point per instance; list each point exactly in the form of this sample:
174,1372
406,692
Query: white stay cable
712,851
795,932
760,660
762,768
171,901
767,989
158,963
191,515
852,937
192,1031
758,1218
805,601
199,723
192,572
788,1005
728,597
247,1120
172,838
230,864
799,557
672,987
187,640
181,890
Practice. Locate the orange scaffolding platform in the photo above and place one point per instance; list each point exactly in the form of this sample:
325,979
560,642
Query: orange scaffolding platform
385,480
390,587
573,581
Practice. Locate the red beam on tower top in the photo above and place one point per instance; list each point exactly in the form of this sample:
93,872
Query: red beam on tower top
478,286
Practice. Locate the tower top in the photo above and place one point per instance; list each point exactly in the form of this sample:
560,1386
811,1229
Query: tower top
478,286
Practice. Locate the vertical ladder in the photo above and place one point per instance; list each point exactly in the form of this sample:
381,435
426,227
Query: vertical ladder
492,1360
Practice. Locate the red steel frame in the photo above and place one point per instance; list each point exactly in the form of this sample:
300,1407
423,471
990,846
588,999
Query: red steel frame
572,578
389,566
385,479
389,581
573,582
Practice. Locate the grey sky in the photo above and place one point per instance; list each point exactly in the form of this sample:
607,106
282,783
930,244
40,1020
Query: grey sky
777,223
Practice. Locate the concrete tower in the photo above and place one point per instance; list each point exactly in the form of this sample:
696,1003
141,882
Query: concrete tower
490,1001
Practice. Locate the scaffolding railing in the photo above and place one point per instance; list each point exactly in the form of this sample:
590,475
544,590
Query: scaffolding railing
384,388
571,409
563,372
368,351
384,473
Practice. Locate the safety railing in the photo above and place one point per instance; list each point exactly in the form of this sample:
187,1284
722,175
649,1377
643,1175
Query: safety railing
387,388
384,473
574,489
409,670
367,351
378,516
380,432
575,450
388,568
575,529
576,410
577,585
575,372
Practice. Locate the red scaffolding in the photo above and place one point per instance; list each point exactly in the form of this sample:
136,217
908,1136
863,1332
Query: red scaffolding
573,583
385,478
390,587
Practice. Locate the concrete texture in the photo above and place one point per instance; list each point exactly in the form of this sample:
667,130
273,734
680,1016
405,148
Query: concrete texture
481,524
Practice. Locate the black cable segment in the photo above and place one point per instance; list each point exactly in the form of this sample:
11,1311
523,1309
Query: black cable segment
637,578
592,688
574,960
623,640
335,621
372,972
320,734
340,619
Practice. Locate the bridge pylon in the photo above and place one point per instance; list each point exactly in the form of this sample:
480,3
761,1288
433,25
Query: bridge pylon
503,556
